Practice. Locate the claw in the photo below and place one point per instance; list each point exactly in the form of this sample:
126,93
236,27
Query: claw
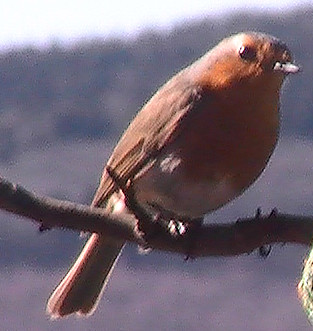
43,228
265,251
273,213
258,212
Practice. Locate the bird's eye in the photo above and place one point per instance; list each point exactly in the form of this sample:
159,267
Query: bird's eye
247,53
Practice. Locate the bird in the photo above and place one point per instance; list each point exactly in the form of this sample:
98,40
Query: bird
202,139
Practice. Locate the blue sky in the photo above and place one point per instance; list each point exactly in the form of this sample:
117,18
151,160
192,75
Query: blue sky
41,22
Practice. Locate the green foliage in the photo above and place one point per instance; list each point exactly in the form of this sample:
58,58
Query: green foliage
305,287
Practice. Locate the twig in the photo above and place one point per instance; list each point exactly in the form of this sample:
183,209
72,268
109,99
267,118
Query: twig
236,238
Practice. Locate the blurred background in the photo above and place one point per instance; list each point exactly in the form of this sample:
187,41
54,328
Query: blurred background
72,76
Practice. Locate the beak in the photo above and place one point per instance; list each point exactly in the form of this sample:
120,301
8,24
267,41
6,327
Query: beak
286,68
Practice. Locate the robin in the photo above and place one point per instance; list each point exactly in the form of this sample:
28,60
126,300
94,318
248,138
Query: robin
202,139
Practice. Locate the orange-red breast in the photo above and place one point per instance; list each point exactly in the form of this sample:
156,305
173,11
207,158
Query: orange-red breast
200,141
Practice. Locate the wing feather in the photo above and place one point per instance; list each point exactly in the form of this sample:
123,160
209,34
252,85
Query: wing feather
151,129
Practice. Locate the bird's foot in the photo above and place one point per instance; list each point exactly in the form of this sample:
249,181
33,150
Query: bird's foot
177,228
188,231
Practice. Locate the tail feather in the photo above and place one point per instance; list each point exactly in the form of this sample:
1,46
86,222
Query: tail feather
81,289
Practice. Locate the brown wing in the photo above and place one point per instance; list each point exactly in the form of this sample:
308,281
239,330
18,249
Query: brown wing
153,126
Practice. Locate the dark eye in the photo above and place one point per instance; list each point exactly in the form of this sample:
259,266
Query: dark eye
247,53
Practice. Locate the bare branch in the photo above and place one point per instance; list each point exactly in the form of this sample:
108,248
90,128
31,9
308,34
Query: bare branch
240,237
53,213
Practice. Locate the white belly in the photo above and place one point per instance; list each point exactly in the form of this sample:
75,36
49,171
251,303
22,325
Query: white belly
162,187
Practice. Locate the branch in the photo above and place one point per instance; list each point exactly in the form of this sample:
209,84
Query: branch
240,237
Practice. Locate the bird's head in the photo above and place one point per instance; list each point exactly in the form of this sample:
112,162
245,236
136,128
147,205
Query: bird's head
248,57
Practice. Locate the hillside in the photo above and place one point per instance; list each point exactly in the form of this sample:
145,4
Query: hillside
91,90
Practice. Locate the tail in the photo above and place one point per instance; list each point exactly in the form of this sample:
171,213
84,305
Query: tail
81,289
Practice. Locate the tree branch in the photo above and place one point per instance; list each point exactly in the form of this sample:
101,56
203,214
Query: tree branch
240,237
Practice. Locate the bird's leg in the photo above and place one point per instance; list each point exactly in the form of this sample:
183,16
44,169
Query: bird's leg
126,187
146,224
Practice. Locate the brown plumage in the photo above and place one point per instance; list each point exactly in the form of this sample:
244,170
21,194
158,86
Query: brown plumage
200,141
